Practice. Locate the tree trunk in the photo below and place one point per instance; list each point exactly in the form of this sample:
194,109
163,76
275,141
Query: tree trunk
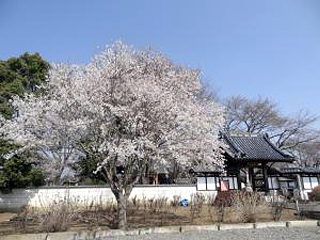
122,209
122,196
121,188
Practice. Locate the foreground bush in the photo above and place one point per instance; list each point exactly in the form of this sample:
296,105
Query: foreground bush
245,205
56,218
196,204
221,205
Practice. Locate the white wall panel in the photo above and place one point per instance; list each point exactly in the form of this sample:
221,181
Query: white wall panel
84,196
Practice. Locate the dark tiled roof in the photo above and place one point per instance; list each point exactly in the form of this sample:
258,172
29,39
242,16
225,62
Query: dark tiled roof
253,147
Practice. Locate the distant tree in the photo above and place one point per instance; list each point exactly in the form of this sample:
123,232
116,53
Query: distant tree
263,116
19,76
125,109
253,116
308,154
297,130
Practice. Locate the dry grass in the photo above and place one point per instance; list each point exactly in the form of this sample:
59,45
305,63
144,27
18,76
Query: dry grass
141,213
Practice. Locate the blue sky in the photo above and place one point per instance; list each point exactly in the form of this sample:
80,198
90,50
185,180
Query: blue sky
267,48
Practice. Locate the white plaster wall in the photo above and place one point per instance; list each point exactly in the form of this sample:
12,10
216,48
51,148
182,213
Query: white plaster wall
85,196
159,192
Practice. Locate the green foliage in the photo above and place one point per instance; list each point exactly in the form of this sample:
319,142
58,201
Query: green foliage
18,172
85,167
19,76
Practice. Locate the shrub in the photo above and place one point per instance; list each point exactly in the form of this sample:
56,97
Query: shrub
57,217
175,201
24,215
53,218
196,204
160,205
221,202
280,202
315,194
211,208
133,205
223,199
245,205
97,214
277,209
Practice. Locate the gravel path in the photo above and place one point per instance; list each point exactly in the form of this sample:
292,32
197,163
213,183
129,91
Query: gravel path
244,234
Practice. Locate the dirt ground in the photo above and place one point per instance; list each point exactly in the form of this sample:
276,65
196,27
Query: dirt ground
6,216
11,223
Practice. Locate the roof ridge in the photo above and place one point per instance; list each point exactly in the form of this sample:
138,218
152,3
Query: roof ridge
243,134
265,136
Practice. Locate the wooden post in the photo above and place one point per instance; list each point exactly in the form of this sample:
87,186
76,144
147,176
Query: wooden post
251,177
157,179
248,181
265,178
299,185
238,176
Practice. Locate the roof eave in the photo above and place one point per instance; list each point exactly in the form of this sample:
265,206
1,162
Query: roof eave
291,160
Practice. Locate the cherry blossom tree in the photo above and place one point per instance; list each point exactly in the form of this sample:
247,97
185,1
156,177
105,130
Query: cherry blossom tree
126,108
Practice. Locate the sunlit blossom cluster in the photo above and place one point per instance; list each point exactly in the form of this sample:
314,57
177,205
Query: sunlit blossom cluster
124,104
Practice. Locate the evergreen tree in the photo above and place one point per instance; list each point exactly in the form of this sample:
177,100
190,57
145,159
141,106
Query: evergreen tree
19,76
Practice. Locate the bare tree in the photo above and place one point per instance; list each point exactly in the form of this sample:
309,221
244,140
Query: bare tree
252,116
263,116
295,131
308,154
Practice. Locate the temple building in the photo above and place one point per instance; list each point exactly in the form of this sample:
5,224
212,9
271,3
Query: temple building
254,163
